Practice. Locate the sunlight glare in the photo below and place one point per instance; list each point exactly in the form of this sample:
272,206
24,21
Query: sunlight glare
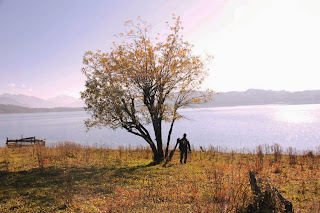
294,115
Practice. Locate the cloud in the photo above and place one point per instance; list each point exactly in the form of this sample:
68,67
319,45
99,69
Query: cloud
12,88
12,85
74,92
15,90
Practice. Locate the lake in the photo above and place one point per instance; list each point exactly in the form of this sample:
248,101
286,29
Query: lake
242,127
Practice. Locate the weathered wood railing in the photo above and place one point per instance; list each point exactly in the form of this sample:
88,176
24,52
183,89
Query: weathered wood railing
24,142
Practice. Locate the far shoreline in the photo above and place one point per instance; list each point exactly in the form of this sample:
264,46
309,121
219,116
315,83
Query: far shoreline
13,109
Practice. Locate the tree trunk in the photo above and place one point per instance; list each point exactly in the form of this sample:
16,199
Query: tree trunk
269,201
168,158
168,139
154,151
159,156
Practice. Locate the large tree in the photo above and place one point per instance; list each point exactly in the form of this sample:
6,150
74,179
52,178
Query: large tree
142,81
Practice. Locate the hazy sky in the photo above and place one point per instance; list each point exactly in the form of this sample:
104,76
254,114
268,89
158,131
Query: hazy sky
263,44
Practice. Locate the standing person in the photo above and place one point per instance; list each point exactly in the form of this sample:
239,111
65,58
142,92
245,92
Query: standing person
184,146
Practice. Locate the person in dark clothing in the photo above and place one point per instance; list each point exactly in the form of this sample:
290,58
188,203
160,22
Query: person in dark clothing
184,146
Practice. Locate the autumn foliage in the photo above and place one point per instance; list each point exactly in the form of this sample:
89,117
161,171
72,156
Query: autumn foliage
143,80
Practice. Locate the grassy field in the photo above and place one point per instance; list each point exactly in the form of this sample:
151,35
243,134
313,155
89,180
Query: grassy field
70,178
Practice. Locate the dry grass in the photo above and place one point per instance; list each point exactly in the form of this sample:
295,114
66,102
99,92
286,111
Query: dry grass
71,178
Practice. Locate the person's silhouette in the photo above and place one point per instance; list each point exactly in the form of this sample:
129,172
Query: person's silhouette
184,146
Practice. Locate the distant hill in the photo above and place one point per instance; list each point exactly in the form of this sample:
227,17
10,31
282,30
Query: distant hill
27,101
34,102
66,101
262,97
18,109
22,103
8,100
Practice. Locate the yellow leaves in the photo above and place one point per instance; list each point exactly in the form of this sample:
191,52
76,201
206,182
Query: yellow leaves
85,60
89,53
131,32
128,22
151,69
103,60
196,100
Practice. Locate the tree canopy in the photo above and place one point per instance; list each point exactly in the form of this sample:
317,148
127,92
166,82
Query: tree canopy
143,80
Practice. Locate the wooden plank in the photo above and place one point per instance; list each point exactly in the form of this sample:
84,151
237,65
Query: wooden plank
25,142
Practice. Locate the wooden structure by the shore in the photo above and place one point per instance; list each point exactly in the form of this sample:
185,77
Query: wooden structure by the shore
25,142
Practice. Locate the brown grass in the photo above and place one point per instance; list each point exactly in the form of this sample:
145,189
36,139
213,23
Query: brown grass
71,178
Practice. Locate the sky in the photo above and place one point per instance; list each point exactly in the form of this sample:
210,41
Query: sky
272,45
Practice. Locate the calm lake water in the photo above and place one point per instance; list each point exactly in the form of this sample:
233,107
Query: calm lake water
245,127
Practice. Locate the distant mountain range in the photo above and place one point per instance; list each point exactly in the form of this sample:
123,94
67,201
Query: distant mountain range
22,103
5,108
34,102
262,97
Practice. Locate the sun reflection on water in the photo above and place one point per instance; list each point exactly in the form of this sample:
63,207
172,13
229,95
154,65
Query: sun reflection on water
294,114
